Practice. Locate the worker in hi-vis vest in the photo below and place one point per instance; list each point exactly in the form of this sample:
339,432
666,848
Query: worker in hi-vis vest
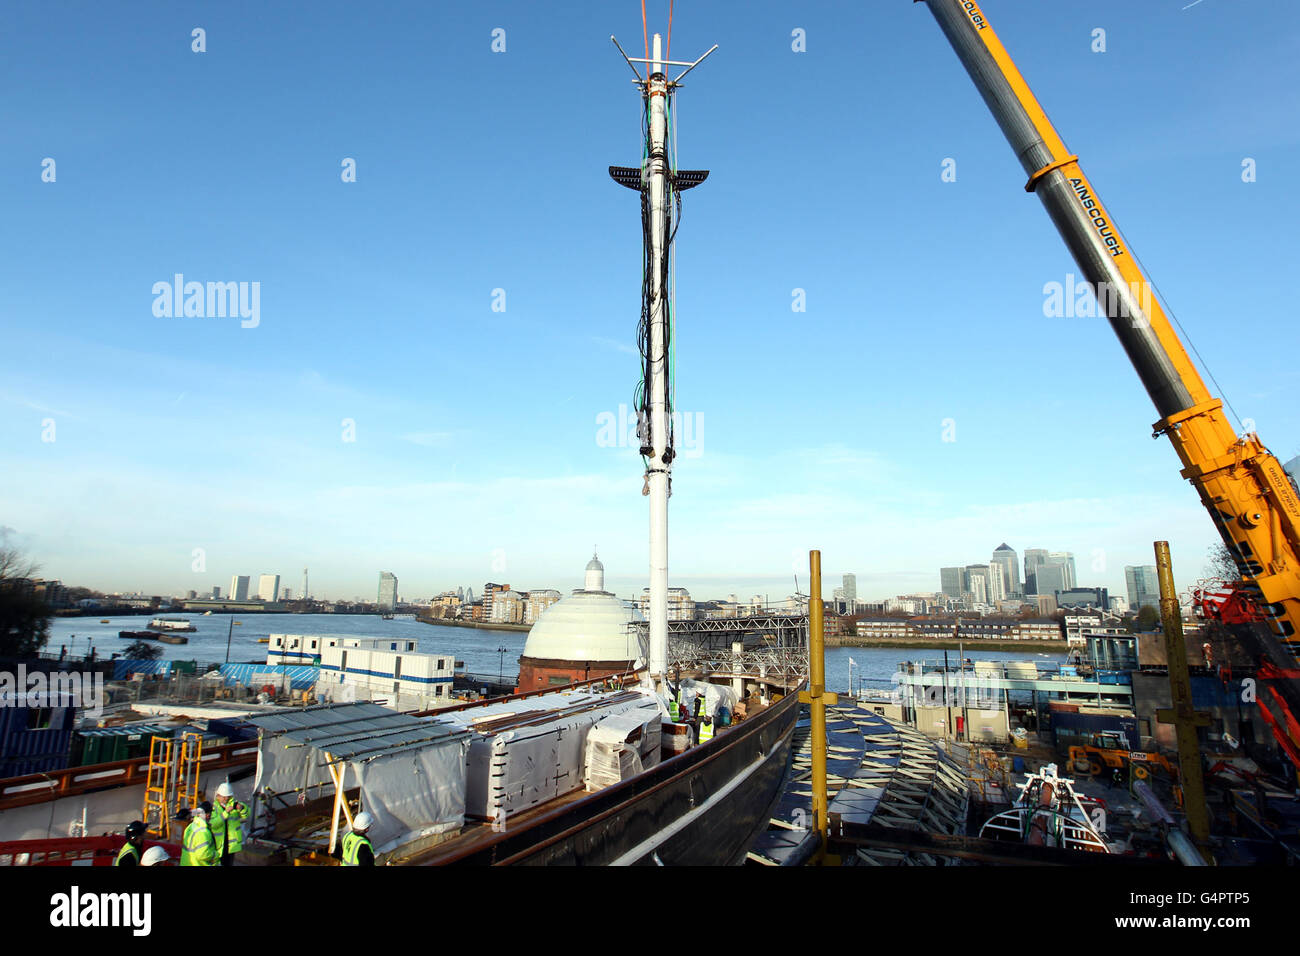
701,706
674,707
357,848
197,846
227,824
129,855
706,728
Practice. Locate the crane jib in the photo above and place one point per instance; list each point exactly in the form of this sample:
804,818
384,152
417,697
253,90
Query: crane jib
1254,504
976,17
1097,216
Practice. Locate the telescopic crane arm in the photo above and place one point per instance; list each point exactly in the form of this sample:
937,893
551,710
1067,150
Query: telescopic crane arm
1251,499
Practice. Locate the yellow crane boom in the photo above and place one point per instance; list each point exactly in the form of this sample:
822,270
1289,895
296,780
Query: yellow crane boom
1252,500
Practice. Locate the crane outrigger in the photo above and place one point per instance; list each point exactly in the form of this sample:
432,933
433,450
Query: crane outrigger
1252,500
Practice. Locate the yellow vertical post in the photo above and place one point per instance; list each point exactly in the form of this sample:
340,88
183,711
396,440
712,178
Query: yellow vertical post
1181,715
817,699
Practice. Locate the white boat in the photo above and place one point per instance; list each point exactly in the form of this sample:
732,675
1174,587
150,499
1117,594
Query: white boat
171,624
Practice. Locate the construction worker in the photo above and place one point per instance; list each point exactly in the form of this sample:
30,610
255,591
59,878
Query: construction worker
357,848
674,708
129,855
706,728
227,823
701,706
155,856
197,845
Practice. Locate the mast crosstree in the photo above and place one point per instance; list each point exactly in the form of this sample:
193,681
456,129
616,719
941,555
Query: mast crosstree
660,186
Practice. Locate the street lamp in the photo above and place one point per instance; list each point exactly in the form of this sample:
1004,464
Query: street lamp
229,633
501,664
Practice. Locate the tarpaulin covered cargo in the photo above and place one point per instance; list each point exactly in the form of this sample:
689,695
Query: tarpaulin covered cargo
620,747
299,676
524,753
411,771
123,669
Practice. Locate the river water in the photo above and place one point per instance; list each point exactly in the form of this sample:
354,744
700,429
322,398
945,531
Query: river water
873,668
477,648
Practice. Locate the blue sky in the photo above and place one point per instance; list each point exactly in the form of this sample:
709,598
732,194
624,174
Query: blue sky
475,454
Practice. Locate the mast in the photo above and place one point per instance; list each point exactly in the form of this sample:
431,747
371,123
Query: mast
660,187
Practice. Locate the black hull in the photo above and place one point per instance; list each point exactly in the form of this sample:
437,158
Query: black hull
700,808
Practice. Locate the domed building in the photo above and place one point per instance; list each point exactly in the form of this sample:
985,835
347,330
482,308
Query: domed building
584,635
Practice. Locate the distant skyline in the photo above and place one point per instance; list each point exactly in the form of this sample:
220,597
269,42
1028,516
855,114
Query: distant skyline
703,588
441,344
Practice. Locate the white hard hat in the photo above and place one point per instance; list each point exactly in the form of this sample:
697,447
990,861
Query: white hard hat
362,821
225,790
198,813
153,856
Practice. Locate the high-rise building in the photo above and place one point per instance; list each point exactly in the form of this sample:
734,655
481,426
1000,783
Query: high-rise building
239,587
1066,560
1034,558
1143,586
268,587
387,591
850,590
1005,557
287,594
979,583
1051,577
216,593
952,582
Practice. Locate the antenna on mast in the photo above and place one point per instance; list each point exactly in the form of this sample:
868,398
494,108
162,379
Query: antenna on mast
660,186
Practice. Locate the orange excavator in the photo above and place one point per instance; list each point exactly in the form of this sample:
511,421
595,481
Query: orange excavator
1253,502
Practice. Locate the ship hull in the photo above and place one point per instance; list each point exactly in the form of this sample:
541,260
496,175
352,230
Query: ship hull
700,808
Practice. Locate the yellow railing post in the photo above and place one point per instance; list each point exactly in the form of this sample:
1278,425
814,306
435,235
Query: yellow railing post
816,698
1184,718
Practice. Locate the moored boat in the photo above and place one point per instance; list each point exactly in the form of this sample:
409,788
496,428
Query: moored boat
171,624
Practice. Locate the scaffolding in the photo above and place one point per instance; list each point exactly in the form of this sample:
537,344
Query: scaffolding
774,648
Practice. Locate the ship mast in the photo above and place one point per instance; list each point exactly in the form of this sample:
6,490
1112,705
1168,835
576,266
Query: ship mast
659,185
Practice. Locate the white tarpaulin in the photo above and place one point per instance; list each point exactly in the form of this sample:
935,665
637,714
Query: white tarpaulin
620,747
414,792
411,772
715,696
286,767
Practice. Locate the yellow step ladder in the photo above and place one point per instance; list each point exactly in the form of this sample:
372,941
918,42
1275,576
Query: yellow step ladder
173,781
